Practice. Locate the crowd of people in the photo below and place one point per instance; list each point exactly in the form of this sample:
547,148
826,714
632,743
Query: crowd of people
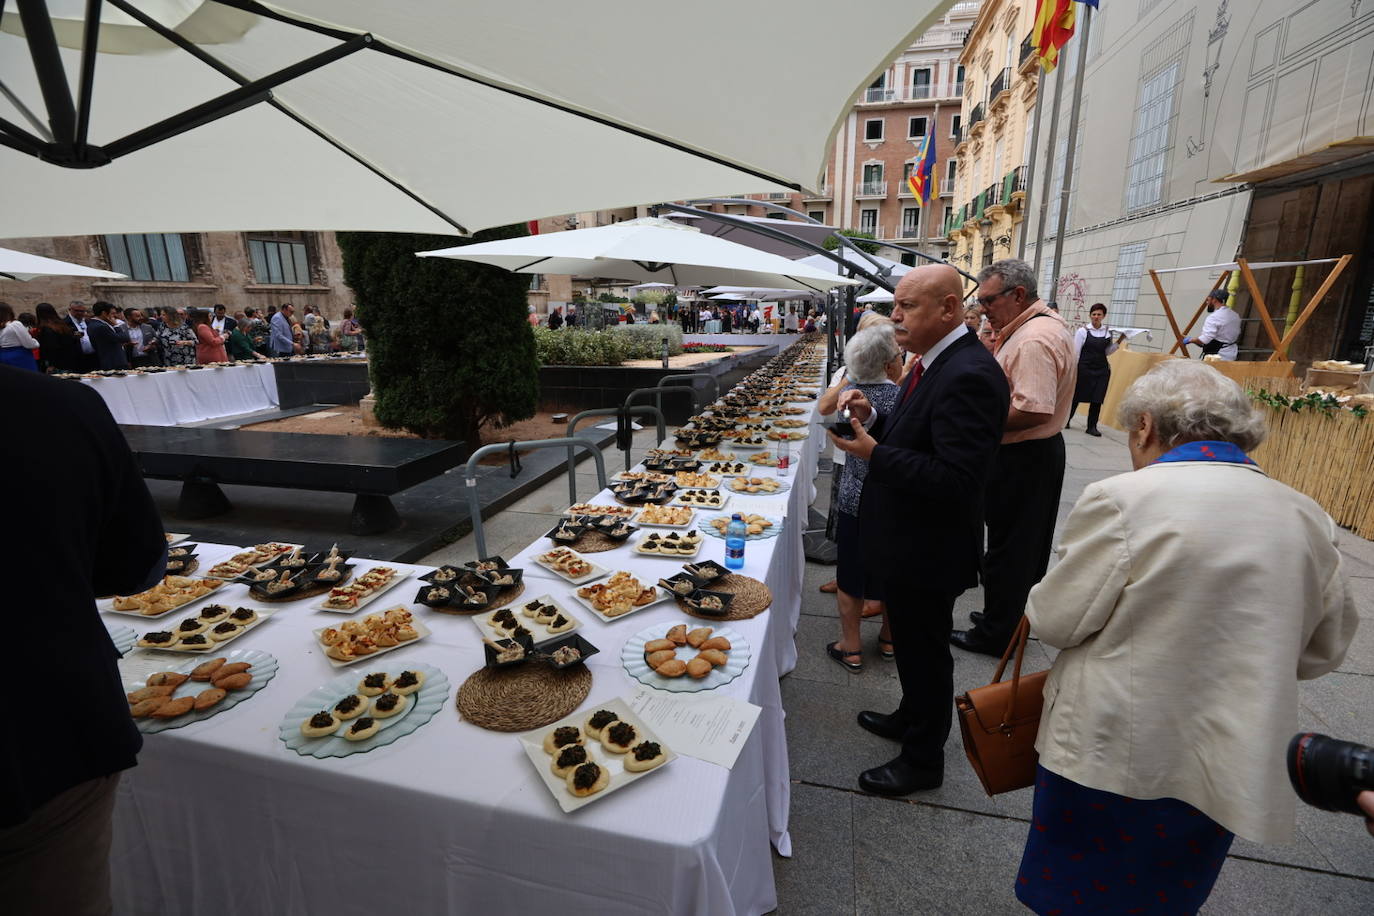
695,317
1174,692
105,336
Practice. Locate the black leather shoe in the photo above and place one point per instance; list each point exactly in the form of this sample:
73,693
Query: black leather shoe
882,725
976,618
1092,431
977,641
900,778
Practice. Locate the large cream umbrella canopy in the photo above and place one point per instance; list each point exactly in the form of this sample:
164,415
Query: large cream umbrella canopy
20,265
646,250
419,116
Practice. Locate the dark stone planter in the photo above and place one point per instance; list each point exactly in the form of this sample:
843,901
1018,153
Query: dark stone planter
321,382
574,388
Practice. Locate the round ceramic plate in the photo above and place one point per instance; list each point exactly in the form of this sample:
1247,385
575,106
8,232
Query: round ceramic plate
632,657
263,670
424,704
770,532
122,637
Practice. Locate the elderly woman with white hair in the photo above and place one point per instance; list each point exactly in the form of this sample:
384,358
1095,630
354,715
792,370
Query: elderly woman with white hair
1190,597
874,364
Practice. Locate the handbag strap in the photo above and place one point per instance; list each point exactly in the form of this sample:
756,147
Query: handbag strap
1017,645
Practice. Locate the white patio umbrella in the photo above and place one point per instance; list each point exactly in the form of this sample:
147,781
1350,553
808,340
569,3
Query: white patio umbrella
814,233
878,295
645,249
648,287
20,265
416,116
850,256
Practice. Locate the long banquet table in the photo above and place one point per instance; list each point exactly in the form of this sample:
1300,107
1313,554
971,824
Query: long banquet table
187,396
220,817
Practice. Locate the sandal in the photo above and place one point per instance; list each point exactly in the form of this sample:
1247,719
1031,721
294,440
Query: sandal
833,650
886,649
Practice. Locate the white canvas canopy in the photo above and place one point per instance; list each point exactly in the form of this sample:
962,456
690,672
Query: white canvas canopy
644,249
20,265
814,233
878,295
421,116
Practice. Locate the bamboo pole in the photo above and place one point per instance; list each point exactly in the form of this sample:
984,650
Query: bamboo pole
1258,299
1221,281
1169,313
1281,352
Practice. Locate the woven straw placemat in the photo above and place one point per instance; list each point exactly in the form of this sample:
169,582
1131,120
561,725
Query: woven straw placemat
752,598
526,696
503,598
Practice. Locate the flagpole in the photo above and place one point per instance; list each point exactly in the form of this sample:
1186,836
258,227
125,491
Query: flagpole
1067,185
1049,171
1030,164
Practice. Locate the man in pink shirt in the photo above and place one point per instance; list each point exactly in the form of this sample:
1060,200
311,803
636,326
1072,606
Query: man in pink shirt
1021,502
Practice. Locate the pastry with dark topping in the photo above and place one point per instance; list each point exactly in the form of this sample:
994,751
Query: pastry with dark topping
388,705
157,639
375,683
190,626
350,707
319,725
407,682
644,756
560,624
568,759
213,613
198,641
619,737
562,736
243,616
598,721
226,630
587,779
362,729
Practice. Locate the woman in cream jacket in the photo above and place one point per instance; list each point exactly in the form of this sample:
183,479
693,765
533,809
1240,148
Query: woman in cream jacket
1190,597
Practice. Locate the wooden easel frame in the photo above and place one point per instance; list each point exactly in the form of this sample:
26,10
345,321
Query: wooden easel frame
1280,344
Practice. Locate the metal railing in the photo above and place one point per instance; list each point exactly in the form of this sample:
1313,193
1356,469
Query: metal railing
822,192
1014,181
975,116
920,91
956,134
569,442
874,230
779,195
947,187
1001,84
880,94
992,194
958,89
1027,50
691,377
911,230
658,391
872,189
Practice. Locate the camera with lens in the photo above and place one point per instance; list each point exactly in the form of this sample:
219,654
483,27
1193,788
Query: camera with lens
1328,773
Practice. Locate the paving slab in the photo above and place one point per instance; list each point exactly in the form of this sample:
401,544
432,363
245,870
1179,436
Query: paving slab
818,880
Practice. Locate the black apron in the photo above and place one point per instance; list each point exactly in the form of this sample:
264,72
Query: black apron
1094,373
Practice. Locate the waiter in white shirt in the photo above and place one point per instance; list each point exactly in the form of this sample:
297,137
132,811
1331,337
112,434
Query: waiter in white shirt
1221,331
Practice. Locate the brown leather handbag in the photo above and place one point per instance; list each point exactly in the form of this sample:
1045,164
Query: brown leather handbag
999,722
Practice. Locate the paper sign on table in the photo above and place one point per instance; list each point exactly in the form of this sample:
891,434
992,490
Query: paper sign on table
711,728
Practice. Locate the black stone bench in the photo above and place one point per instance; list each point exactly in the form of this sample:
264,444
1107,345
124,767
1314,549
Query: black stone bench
371,467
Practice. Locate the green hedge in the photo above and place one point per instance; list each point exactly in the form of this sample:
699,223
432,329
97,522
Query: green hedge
645,341
576,347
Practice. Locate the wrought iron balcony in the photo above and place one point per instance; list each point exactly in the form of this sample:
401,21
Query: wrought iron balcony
872,189
1000,84
947,187
822,192
975,116
992,194
911,230
1027,51
1014,181
957,135
779,195
920,91
882,94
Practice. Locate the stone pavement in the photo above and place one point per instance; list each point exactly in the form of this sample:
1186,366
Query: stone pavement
954,850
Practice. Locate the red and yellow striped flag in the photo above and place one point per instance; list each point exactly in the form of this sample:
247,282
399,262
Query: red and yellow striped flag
1054,21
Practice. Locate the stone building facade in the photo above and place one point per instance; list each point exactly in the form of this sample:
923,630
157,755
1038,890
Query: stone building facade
192,270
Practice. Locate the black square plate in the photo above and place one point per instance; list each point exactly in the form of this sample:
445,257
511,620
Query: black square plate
572,639
693,601
527,642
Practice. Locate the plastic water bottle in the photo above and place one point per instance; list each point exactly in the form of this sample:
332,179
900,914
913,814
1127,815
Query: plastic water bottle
734,543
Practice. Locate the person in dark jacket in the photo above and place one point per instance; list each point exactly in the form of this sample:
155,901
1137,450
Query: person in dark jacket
109,341
85,528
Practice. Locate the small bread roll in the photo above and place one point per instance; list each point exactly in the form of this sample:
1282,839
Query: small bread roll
350,707
658,645
588,779
207,698
644,756
562,737
619,737
698,636
713,657
166,679
174,707
231,668
320,724
233,681
362,729
678,635
407,682
147,693
206,670
698,667
388,705
657,658
144,708
674,668
717,642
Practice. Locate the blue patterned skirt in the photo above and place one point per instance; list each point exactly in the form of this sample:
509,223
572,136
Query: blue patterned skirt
1096,852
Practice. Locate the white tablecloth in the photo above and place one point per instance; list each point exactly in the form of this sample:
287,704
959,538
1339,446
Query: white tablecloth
220,817
171,398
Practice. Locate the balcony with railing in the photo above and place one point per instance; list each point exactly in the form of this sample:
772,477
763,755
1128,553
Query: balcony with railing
992,195
920,91
1014,183
778,195
947,187
1027,54
1001,84
822,192
911,230
880,94
976,117
956,135
872,189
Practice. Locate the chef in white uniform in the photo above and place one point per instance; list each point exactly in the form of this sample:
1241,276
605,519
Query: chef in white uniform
1221,331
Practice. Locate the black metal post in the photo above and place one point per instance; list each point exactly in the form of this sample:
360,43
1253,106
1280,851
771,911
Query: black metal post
47,65
90,44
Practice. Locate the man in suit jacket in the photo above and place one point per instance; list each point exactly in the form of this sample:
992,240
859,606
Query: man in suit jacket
77,313
920,517
223,324
108,341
